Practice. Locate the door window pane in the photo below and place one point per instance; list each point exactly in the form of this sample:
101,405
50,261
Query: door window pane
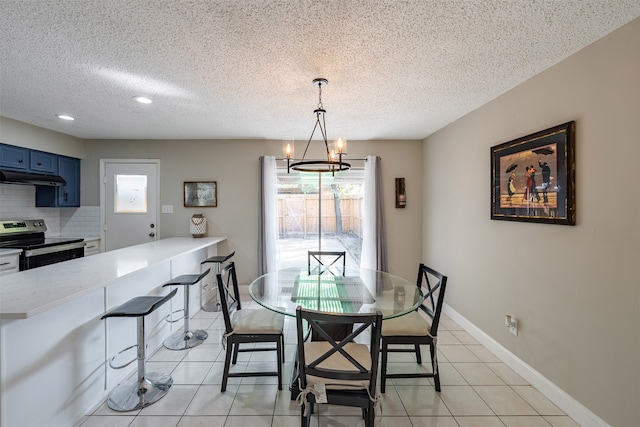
130,194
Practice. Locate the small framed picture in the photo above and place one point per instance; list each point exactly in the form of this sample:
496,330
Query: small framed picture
200,194
533,177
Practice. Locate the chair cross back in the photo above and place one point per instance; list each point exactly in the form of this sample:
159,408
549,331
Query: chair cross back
230,298
334,256
318,322
432,304
338,347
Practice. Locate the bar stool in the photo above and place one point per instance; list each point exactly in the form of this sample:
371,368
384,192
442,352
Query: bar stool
185,338
214,304
148,387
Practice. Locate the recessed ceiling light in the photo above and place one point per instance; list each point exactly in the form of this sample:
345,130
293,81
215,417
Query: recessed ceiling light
142,99
64,117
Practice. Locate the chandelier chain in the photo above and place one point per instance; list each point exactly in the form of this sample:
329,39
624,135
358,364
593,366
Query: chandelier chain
320,97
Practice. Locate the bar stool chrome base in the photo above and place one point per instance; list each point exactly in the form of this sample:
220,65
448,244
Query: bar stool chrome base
185,338
180,340
138,394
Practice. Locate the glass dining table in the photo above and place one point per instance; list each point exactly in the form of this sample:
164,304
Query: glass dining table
357,291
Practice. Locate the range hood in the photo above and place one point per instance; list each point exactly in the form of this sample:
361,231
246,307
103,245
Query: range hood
13,177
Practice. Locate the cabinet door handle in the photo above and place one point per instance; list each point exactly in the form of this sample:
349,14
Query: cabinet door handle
5,263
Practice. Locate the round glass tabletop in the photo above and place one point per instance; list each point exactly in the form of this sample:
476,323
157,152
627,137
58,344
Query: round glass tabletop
358,291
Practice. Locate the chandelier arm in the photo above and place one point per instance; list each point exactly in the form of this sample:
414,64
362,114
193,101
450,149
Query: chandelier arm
311,137
323,130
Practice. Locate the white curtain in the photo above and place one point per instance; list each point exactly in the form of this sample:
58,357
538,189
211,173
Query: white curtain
268,228
374,242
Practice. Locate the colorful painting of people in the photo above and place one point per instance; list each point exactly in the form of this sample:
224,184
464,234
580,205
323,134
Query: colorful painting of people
530,190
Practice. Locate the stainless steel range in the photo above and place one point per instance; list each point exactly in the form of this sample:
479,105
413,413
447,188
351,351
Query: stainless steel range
38,250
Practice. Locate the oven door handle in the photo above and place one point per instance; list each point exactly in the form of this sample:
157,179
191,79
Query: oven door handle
53,249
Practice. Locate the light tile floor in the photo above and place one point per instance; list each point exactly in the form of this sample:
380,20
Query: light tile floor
478,390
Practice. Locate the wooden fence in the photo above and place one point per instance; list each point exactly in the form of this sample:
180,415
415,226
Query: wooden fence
298,215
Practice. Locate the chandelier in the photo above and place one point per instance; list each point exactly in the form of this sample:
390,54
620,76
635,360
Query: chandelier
334,151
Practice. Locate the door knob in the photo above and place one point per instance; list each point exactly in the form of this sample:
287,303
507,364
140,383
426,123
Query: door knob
152,234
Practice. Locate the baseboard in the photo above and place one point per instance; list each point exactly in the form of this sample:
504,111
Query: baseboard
560,398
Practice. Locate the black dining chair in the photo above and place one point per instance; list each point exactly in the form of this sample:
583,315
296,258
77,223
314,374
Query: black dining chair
320,261
415,329
246,328
337,371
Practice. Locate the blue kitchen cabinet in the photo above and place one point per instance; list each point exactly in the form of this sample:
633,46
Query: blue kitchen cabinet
41,162
14,158
64,196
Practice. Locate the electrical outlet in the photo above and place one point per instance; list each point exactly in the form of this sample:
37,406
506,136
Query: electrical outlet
512,324
167,208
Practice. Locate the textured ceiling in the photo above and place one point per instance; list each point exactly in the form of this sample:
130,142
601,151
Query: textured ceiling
243,69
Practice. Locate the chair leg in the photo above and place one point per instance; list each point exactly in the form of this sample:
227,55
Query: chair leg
227,363
434,367
280,356
304,422
283,347
236,347
383,371
371,416
418,354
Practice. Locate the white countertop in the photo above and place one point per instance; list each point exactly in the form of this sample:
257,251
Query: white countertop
30,292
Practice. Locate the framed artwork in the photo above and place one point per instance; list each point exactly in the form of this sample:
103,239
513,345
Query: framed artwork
200,194
533,177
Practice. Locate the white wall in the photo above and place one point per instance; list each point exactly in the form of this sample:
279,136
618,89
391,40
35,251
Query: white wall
574,290
234,165
21,134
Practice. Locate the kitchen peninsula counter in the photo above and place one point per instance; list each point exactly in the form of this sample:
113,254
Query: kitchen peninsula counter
54,342
33,291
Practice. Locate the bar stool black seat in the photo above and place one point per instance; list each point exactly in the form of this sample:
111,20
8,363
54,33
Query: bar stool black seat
214,303
185,338
218,259
149,387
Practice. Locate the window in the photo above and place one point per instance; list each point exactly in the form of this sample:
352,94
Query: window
130,194
317,211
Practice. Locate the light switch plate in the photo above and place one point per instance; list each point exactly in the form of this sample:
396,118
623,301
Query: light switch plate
167,208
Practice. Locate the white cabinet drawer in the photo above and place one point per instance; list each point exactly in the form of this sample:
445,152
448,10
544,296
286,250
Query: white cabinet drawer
91,247
9,264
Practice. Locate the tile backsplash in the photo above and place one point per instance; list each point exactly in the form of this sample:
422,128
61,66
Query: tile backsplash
18,202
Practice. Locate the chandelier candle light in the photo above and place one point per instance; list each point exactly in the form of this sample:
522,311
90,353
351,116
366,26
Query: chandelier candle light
337,149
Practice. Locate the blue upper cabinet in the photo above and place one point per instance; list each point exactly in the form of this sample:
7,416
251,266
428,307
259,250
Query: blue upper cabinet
14,158
41,162
64,196
69,169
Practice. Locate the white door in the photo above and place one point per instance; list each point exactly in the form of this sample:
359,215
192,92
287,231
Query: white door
130,202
